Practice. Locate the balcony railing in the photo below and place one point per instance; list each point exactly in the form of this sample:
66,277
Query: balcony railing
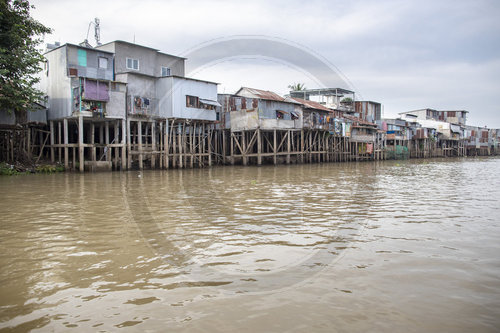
142,106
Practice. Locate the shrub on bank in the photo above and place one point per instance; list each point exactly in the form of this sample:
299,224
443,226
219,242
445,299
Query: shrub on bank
11,169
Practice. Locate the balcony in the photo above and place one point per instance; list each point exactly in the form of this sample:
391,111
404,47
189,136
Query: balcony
142,106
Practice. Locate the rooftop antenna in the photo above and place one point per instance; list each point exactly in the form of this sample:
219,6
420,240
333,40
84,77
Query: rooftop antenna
97,35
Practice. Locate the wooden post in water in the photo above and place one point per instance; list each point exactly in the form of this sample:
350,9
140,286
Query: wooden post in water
275,161
288,146
301,146
106,141
92,140
259,146
168,131
101,141
244,147
125,135
65,130
153,144
224,148
81,158
52,157
59,141
209,145
129,144
161,147
231,141
115,140
139,143
179,143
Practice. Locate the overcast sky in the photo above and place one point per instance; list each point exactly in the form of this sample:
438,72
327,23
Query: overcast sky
404,54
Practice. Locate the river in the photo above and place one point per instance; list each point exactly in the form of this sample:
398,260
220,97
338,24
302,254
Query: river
397,246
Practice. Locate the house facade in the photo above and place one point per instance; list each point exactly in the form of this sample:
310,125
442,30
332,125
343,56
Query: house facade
251,108
458,117
123,98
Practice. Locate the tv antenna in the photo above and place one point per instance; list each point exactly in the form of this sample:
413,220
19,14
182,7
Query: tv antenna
97,33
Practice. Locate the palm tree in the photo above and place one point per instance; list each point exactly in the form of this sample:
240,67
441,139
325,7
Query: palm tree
297,87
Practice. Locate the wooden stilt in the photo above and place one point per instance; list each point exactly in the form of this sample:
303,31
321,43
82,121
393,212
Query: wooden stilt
59,141
288,146
259,147
232,138
139,143
129,145
275,160
92,141
179,143
125,133
114,151
52,157
153,144
209,145
65,130
106,141
81,158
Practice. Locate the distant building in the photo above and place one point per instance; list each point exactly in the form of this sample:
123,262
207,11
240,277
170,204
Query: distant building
368,110
318,116
251,108
458,117
333,98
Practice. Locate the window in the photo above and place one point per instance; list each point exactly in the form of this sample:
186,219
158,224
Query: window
73,72
165,71
280,114
132,64
192,101
255,103
103,62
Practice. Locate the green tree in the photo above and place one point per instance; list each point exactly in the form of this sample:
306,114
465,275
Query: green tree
20,60
297,87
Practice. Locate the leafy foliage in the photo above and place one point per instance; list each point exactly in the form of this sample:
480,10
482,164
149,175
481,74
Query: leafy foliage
20,59
47,168
297,87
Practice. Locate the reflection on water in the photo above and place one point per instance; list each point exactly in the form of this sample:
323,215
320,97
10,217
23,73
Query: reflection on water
381,246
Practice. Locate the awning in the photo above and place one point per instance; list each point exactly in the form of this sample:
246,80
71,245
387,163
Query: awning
455,128
209,102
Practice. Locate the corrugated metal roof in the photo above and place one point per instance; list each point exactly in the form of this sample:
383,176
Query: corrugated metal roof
262,94
311,104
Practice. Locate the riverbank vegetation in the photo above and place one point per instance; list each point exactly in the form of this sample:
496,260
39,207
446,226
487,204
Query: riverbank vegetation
7,169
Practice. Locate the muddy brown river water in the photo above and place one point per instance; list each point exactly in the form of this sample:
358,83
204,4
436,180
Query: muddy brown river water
389,246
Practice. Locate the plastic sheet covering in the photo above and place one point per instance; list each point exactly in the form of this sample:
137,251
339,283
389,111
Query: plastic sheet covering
369,148
398,153
96,91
